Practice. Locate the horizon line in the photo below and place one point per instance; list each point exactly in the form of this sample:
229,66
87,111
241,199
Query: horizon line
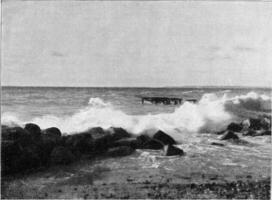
185,86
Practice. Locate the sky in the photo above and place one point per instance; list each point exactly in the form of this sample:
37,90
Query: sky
136,43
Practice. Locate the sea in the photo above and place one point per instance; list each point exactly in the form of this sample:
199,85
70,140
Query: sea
75,109
192,125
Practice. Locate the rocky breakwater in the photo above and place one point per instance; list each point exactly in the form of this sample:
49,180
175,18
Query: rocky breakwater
29,148
251,127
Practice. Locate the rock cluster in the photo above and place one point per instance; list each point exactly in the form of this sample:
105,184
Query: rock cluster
30,147
250,127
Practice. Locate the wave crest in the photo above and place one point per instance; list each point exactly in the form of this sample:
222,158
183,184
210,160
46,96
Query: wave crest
209,114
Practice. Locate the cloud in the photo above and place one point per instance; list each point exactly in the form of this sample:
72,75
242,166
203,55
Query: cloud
241,48
57,54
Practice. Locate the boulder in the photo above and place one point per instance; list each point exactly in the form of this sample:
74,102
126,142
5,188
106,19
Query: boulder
61,155
229,135
129,142
34,130
265,132
257,132
170,150
164,138
52,132
266,123
48,142
14,133
118,133
141,140
102,143
255,124
16,158
28,159
120,151
235,127
9,151
153,144
96,132
81,142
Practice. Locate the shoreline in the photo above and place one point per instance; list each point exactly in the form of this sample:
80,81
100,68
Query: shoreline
89,179
113,163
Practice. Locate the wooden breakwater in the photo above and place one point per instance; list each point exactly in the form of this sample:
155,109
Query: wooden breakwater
166,100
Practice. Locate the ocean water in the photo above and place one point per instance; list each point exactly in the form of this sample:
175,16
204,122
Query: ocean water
77,109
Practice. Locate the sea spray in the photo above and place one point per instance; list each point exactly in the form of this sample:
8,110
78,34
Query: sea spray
209,114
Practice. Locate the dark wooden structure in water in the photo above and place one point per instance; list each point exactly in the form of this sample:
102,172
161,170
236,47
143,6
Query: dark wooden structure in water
166,100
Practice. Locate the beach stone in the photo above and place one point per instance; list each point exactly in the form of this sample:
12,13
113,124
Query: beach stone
164,138
34,130
52,132
170,150
120,151
118,133
61,155
229,135
234,127
153,144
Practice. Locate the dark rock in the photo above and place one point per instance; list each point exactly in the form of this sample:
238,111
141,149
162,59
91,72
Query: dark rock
15,134
101,144
249,132
265,132
96,132
120,151
130,142
217,144
10,150
164,138
61,155
259,123
52,132
235,127
118,133
34,130
170,150
220,132
28,159
141,140
229,135
254,133
81,142
18,158
153,144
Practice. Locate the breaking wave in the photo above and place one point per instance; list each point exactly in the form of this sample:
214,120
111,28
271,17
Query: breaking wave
209,114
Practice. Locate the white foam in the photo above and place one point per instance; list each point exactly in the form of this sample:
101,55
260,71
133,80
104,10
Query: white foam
207,115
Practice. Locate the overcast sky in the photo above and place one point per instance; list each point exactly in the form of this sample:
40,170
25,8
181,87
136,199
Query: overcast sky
153,44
